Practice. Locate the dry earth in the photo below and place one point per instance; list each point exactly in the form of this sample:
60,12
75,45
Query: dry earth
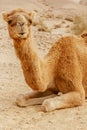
54,19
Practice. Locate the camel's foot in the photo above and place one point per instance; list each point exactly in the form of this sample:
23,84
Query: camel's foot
21,101
48,105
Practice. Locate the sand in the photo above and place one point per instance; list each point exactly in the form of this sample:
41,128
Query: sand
53,20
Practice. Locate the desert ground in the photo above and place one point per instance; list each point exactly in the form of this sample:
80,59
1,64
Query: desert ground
54,18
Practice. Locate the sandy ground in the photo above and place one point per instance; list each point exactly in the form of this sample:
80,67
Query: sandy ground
53,20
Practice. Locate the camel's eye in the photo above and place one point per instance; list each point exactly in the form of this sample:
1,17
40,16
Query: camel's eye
84,35
10,21
30,21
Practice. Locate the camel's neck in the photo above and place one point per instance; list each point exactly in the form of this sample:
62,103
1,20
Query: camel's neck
24,48
31,64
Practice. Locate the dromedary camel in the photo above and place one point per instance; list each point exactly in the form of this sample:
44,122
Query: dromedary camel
63,69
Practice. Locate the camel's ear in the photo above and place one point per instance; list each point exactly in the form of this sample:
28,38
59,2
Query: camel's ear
31,16
5,16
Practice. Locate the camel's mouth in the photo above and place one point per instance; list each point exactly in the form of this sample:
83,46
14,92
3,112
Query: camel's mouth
22,35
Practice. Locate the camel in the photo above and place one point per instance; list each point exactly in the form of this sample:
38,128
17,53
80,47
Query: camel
63,70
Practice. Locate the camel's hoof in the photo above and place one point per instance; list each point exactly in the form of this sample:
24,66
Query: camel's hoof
21,101
48,105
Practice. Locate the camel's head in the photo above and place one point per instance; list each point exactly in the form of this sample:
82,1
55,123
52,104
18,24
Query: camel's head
19,22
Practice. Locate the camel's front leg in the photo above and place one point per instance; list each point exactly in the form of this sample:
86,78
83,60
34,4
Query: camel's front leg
70,99
33,98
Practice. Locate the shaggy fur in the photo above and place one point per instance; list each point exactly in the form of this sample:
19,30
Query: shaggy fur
63,69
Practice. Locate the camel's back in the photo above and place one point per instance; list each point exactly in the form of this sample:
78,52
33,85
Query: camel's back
79,47
64,53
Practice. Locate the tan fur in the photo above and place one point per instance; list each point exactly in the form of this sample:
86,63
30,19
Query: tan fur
63,69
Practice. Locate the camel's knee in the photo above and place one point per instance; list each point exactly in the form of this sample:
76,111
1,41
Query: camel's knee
48,105
21,101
